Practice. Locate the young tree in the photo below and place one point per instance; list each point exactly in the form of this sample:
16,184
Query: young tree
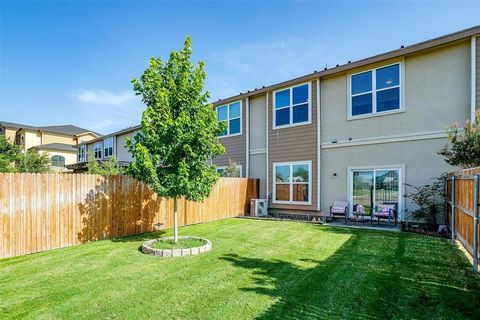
231,171
110,167
34,161
179,130
9,154
464,150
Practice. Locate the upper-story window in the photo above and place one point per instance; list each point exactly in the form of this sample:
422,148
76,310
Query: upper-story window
375,91
231,114
108,147
97,150
292,106
82,154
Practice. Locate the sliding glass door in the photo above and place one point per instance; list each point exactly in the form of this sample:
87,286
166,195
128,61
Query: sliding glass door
372,187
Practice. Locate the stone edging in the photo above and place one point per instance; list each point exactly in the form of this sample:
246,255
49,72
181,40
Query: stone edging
148,249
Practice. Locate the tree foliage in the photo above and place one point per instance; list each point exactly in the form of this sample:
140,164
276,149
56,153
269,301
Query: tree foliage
429,200
179,129
464,148
231,171
34,161
109,167
9,155
12,160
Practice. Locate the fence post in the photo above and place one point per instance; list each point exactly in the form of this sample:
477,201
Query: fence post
452,204
475,223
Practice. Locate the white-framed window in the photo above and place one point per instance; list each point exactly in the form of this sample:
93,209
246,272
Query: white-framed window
108,147
292,182
371,186
231,114
58,161
97,150
376,91
82,155
220,170
291,106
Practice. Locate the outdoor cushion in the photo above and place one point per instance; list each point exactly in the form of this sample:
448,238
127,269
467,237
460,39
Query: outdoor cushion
384,210
338,209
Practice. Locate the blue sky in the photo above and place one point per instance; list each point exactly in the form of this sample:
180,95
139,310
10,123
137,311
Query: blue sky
72,62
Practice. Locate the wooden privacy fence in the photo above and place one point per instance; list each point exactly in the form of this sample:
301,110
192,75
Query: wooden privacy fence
40,212
462,209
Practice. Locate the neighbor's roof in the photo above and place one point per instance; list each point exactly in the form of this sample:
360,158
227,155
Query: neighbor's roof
57,146
66,129
404,50
129,129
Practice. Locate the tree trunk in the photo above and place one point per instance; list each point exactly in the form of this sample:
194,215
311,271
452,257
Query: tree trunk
175,227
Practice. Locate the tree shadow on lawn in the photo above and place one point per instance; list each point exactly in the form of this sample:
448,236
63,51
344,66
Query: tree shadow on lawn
372,275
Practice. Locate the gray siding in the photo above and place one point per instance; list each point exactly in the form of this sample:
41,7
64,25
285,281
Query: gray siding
294,144
235,147
258,141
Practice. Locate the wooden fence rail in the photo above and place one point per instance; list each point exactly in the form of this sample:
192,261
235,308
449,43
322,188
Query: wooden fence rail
462,209
40,212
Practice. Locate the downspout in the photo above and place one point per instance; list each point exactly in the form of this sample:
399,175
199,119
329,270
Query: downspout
247,137
473,77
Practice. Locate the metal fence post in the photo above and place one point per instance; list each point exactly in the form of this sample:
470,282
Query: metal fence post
475,223
452,213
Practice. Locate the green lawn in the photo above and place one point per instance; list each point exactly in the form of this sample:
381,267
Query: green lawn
256,269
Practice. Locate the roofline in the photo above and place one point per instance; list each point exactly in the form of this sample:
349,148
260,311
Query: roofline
112,134
54,132
414,48
89,132
40,147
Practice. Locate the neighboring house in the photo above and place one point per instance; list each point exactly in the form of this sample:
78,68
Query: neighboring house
59,142
104,147
356,132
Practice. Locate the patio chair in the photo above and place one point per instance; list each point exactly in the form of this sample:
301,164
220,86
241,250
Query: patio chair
386,211
339,208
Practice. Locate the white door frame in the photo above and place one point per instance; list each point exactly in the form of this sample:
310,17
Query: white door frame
401,184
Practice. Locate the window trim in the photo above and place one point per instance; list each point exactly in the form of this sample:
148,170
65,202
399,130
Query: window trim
84,154
105,148
228,135
58,156
274,183
238,166
374,112
291,124
100,144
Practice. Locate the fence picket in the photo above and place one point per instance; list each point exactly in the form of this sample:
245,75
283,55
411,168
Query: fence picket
40,212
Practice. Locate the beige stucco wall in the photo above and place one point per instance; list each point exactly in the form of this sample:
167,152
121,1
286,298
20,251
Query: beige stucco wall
86,137
121,150
48,137
419,159
10,134
70,157
31,139
436,91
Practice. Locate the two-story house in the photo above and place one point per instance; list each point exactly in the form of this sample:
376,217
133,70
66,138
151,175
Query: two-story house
104,147
356,132
59,142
